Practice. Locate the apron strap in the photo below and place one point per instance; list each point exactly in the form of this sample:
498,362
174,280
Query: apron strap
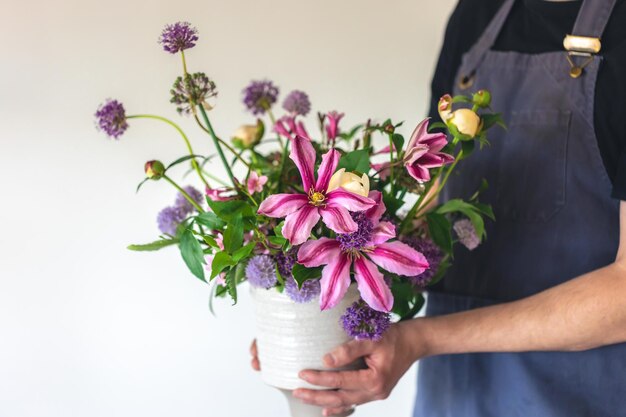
593,18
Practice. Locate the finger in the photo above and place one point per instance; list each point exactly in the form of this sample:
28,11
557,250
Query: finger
331,398
351,380
256,365
338,412
253,350
348,353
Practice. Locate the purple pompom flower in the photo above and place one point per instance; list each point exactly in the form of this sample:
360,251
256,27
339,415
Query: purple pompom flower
297,103
169,218
359,239
178,37
261,271
259,96
466,232
433,255
191,91
363,322
310,290
184,204
111,118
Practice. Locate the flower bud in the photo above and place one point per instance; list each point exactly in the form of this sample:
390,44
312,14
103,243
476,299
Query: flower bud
466,121
482,98
350,182
247,136
445,107
154,169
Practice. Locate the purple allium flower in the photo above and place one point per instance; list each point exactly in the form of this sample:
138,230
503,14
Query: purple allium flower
184,204
178,37
261,271
297,103
259,96
363,322
191,91
309,291
467,233
111,118
433,255
169,218
359,239
285,262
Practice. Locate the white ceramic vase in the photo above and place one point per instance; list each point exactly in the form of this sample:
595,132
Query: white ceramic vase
292,337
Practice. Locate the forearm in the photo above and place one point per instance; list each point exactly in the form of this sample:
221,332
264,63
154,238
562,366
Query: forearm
583,313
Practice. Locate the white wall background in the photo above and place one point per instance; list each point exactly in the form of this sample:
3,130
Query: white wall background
88,328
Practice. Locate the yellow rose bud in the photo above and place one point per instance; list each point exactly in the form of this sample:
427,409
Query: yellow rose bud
154,169
466,121
350,182
248,135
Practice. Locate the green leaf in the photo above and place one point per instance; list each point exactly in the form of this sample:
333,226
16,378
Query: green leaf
472,213
278,230
350,135
221,261
192,254
301,273
210,220
481,189
440,230
141,183
277,240
468,148
486,210
461,99
243,252
153,246
398,141
228,210
233,235
437,126
231,284
392,203
356,161
490,120
183,159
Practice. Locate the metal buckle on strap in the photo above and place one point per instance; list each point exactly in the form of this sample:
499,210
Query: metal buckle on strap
580,46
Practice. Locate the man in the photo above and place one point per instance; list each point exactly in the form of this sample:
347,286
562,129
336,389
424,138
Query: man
533,322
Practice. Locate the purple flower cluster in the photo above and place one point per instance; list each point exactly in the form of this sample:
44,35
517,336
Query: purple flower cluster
466,233
310,290
297,103
259,96
261,271
360,321
178,37
111,118
433,255
192,90
359,239
170,217
285,262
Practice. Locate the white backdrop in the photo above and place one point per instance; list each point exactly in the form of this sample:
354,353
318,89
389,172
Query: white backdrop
88,328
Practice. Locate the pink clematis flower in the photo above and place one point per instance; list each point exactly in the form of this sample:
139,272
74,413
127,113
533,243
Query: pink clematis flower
423,152
256,183
303,211
364,249
332,129
288,127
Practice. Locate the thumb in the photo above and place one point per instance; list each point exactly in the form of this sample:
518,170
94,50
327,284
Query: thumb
348,353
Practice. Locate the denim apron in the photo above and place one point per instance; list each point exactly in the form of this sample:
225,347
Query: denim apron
555,220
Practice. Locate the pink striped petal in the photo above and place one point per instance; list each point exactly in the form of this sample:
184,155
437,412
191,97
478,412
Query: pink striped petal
298,225
353,202
318,252
399,258
335,282
383,232
420,130
338,219
281,205
372,285
327,168
435,141
303,155
377,211
418,172
413,154
301,130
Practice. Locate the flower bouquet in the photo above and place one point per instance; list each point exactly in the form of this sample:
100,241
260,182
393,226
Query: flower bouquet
329,225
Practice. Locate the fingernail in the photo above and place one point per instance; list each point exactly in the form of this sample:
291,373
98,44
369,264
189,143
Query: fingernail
302,375
329,359
298,394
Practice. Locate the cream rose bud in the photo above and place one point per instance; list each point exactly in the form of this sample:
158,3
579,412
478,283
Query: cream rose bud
248,135
466,121
350,182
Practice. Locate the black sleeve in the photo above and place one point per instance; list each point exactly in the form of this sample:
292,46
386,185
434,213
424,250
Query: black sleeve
467,22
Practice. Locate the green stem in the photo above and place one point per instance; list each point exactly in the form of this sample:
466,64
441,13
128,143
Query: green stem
184,193
391,176
273,120
194,163
182,54
443,183
224,144
216,141
282,165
